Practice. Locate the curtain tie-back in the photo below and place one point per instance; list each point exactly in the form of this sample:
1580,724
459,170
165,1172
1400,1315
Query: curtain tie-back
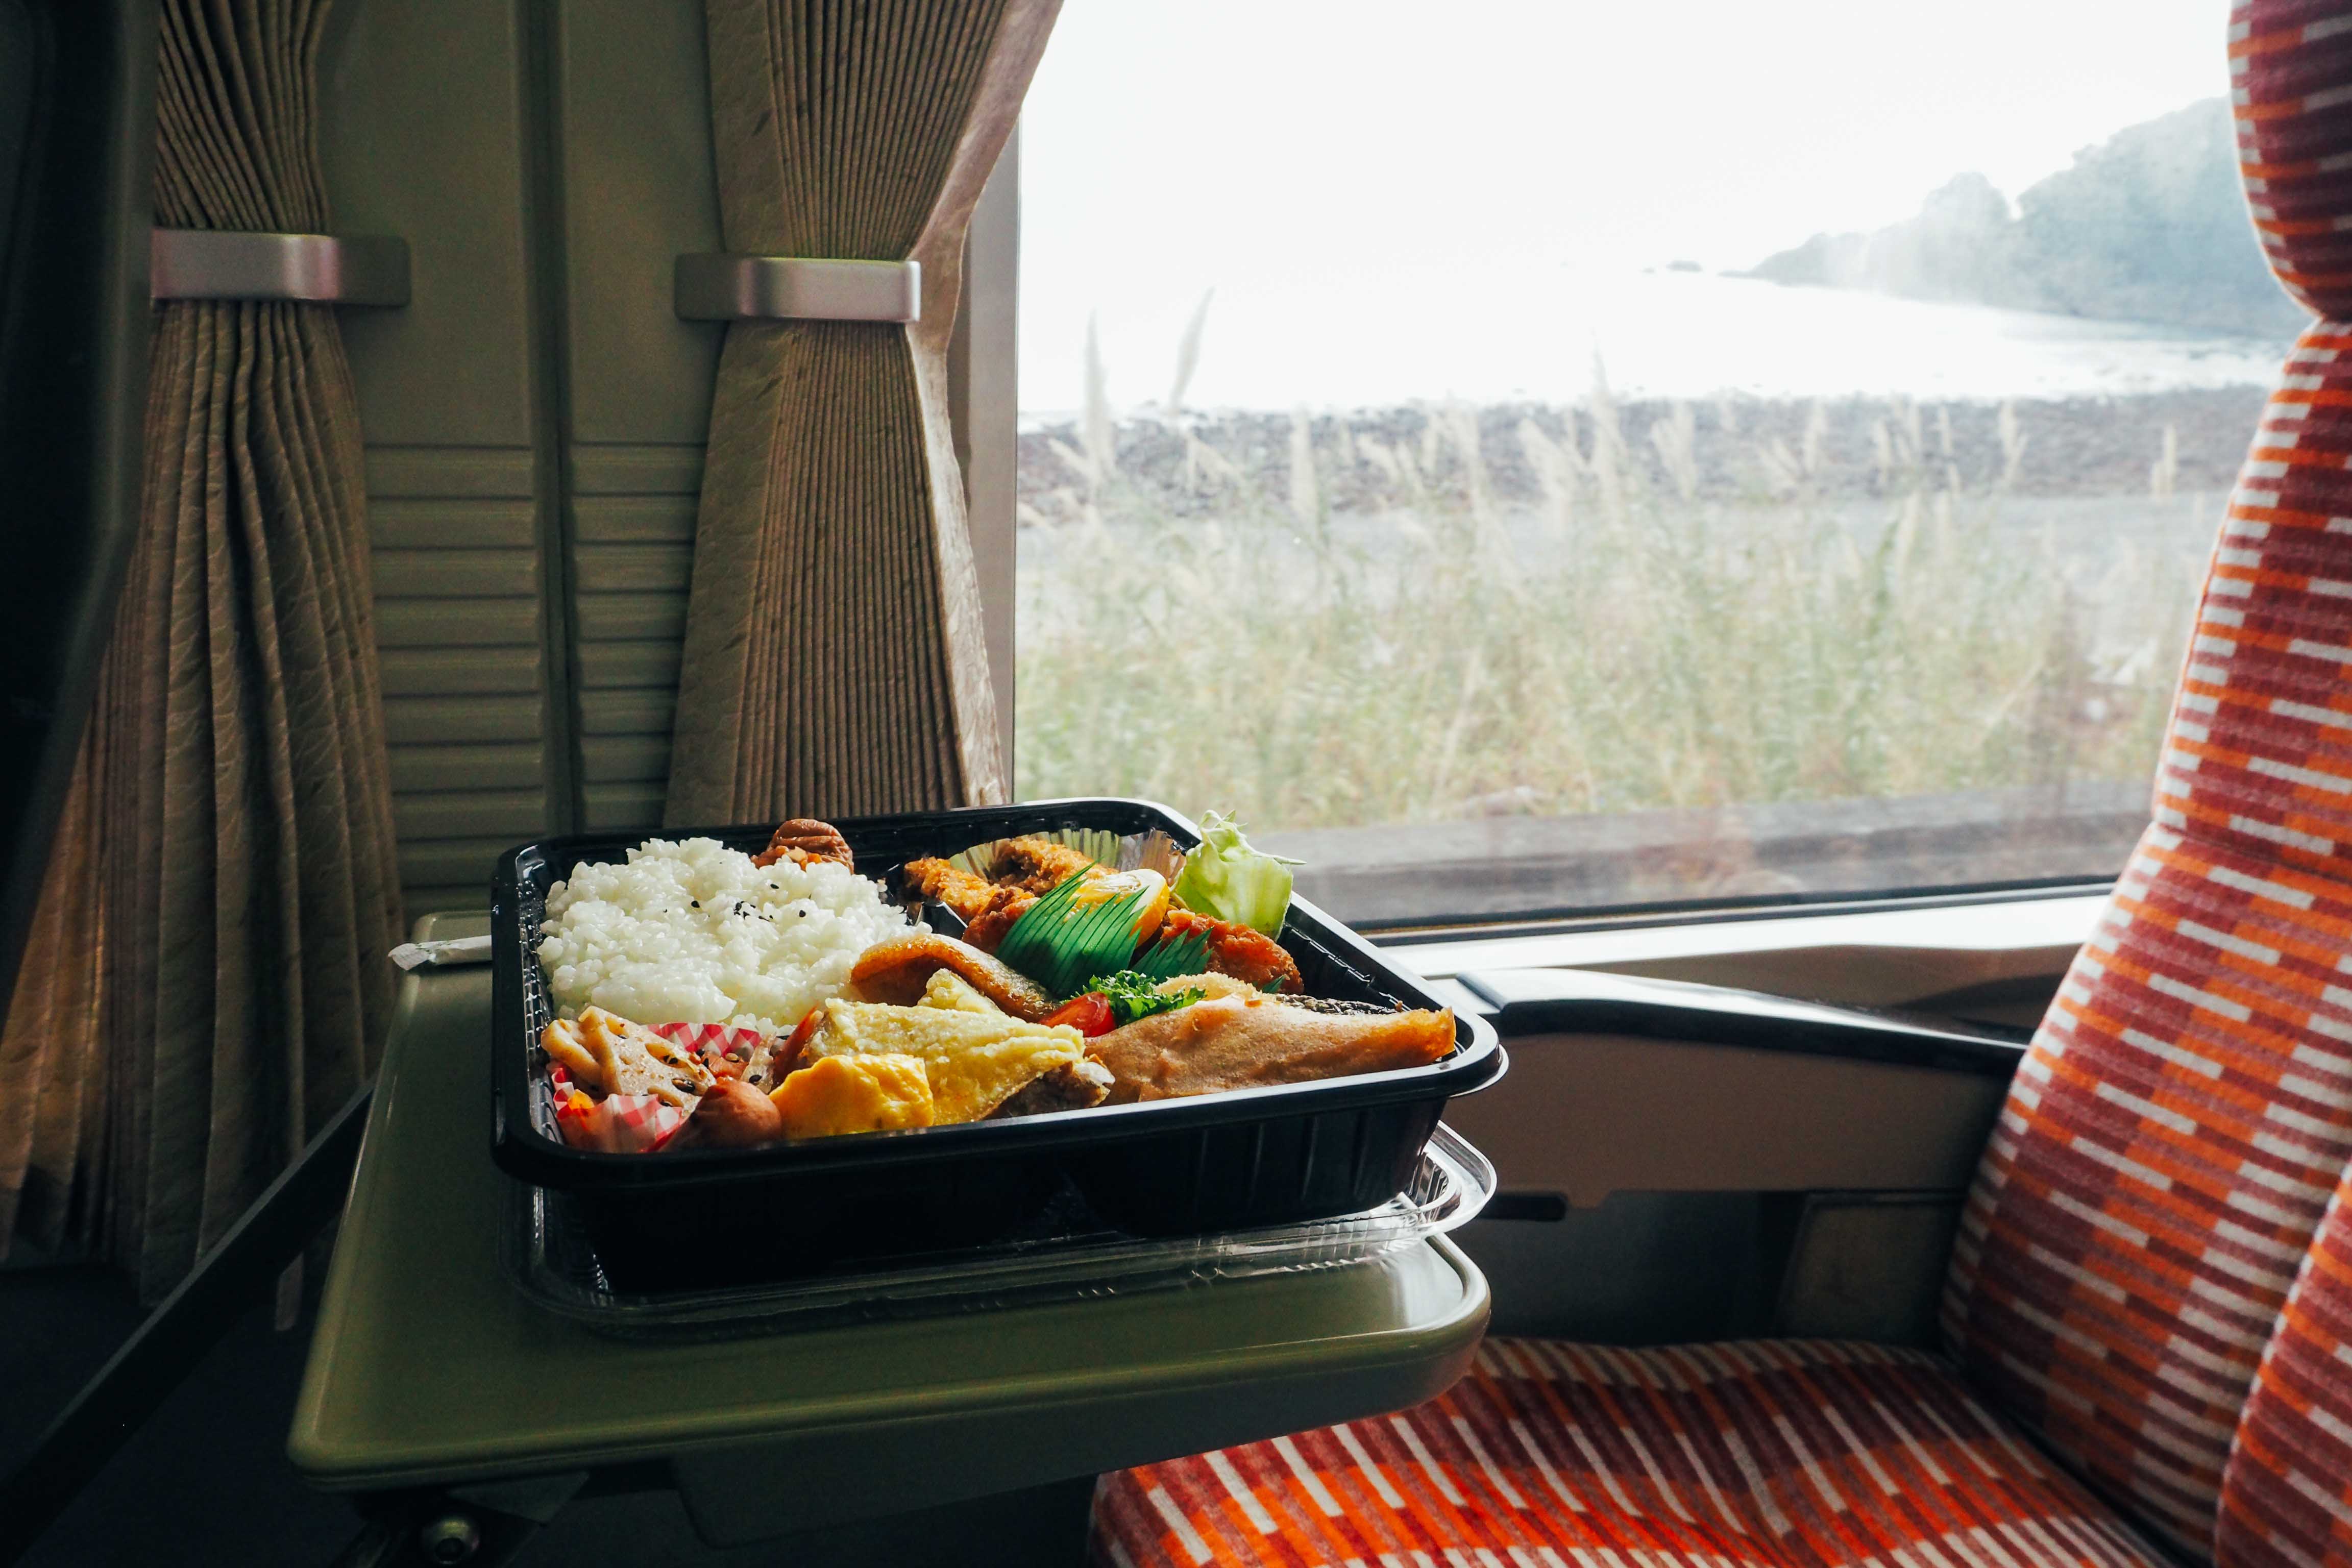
302,269
727,286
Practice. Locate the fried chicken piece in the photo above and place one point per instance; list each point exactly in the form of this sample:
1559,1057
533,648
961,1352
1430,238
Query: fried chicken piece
1028,865
986,930
1236,950
960,890
1038,865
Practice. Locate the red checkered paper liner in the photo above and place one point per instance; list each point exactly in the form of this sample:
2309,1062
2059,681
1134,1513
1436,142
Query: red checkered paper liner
617,1124
727,1052
642,1123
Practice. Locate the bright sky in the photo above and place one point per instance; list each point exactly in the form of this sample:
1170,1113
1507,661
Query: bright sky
1169,146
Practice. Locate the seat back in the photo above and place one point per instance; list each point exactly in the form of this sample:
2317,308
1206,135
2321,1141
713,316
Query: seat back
2171,1140
2287,1498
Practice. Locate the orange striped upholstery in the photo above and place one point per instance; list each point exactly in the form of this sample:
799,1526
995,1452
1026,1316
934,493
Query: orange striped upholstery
2165,1156
2172,1137
1798,1454
2286,1498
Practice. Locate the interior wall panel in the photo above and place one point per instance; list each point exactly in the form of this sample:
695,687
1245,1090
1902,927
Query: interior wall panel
639,189
535,417
631,512
425,126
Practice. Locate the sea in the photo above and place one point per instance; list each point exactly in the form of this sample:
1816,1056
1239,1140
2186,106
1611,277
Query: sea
1370,337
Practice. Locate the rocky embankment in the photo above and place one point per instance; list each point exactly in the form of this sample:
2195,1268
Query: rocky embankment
1731,449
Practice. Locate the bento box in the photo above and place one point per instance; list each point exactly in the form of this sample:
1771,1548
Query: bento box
1237,1160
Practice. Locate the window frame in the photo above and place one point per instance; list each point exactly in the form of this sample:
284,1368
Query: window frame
985,412
1669,939
1878,952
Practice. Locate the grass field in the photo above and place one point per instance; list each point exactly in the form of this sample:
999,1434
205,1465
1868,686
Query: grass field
1635,639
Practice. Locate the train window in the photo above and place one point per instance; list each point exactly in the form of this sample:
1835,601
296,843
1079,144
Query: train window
1532,458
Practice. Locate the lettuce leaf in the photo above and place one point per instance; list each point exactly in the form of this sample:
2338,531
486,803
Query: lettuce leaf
1226,879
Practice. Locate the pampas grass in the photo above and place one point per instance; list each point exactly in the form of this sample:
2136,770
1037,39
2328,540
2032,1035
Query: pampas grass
1188,353
1633,645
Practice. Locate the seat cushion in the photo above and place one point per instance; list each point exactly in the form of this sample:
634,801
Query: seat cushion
1795,1453
2287,1498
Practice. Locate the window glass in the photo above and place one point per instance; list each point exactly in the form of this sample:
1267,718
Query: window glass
1536,456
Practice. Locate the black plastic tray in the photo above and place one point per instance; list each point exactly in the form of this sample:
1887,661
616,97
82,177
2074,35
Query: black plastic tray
1173,1167
1062,1253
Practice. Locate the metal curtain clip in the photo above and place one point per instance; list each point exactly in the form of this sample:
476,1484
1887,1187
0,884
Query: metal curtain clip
720,286
314,268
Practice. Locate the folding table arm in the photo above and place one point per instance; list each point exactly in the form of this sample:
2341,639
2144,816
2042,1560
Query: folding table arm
238,1271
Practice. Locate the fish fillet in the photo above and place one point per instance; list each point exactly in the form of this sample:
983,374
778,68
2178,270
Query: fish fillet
1237,1043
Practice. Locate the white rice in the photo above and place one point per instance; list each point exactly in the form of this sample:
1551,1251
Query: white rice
693,932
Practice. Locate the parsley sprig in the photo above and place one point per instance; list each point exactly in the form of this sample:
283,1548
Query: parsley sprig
1132,995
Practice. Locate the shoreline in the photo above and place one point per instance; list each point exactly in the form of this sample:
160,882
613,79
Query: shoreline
1739,448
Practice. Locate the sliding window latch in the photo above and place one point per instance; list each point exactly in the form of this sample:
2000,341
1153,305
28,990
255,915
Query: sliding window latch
726,287
311,269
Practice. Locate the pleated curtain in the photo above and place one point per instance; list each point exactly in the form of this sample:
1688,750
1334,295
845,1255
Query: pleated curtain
52,1062
236,785
834,662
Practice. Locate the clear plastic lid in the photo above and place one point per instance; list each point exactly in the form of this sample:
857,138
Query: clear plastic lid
1066,1253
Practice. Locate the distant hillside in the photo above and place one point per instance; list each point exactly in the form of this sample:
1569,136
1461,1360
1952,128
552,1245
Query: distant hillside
2148,225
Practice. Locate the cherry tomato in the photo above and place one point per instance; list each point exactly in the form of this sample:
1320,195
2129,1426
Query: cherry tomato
1089,1015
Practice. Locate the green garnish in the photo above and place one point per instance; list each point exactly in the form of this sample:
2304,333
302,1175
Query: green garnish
1057,944
1132,994
1173,955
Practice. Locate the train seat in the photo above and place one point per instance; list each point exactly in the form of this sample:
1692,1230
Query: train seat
2148,1314
1769,1452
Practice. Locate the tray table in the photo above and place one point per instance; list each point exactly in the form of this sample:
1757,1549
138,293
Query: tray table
429,1370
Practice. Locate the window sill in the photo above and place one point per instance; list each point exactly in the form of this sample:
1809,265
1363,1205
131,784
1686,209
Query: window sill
1982,957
